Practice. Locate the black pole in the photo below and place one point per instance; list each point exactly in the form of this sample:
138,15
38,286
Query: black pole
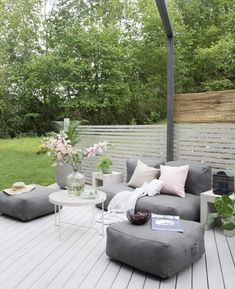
170,99
161,5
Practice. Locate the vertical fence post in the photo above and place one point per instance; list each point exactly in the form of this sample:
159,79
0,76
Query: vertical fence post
66,124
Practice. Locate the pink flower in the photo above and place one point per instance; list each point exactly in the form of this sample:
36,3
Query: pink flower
97,148
60,145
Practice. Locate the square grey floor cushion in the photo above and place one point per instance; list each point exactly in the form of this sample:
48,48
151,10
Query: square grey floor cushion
159,253
27,206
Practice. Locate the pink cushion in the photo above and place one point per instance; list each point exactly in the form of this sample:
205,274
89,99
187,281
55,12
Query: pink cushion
174,180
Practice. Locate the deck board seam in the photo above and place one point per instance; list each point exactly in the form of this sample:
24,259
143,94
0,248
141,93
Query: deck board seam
72,258
59,256
133,270
230,250
102,274
217,249
207,279
88,254
63,241
116,276
48,227
90,269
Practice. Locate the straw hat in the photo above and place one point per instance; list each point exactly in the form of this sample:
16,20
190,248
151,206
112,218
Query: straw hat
20,187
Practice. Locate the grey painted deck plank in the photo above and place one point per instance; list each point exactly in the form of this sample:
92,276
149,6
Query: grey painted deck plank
51,266
11,232
200,274
61,276
184,280
95,273
13,227
25,236
38,251
213,266
151,282
34,246
82,262
137,280
77,274
109,275
168,283
226,260
123,278
231,244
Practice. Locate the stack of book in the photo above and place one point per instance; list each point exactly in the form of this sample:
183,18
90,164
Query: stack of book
167,223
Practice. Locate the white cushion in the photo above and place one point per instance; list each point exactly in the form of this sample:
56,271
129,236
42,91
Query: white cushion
154,187
174,180
142,174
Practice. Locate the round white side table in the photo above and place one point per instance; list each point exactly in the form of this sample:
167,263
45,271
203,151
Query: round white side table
62,198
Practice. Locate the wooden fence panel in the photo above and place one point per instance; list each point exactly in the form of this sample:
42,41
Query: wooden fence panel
205,107
147,141
212,144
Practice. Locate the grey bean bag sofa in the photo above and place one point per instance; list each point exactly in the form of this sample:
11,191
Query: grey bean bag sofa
159,253
27,206
188,208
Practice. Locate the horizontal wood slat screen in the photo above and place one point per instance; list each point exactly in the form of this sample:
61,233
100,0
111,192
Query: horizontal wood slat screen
212,144
143,141
205,107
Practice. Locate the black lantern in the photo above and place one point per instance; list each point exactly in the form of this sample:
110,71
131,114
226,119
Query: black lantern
223,184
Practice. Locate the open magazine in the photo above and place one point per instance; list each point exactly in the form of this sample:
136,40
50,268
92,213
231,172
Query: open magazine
167,223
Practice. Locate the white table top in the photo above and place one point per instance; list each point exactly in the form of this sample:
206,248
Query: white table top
63,198
211,193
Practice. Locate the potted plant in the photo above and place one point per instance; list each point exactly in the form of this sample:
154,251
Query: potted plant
104,164
224,206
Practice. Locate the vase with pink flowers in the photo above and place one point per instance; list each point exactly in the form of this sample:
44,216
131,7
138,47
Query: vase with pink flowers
71,155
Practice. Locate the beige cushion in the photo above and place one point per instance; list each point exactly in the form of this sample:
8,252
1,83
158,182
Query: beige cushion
142,174
174,180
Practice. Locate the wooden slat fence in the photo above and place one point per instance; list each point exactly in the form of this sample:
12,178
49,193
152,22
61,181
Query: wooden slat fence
142,141
205,107
212,144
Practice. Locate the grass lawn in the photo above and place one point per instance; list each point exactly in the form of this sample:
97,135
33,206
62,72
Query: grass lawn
19,162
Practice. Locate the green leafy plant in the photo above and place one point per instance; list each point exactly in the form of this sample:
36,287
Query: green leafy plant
72,133
224,206
104,163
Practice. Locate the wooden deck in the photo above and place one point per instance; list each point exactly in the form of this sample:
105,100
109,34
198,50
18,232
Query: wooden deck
32,256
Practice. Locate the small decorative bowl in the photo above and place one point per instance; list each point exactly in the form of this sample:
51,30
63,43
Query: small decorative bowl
137,216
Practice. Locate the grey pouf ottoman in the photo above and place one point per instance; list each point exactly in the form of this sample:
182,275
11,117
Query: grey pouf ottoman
27,206
160,253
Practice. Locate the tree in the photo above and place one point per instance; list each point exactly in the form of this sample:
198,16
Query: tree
105,60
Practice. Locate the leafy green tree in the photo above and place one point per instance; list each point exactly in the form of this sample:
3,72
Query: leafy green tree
210,47
105,60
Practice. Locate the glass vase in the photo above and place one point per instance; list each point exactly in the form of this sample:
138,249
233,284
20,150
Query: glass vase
75,184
